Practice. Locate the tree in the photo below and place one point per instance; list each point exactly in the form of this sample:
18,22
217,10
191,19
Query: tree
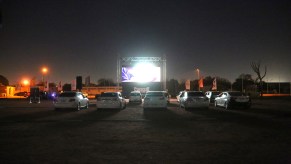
243,82
67,87
223,84
173,87
4,80
256,66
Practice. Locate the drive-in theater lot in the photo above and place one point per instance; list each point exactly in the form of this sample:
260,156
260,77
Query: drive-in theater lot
36,133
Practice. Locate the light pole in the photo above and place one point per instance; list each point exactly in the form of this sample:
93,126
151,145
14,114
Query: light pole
44,71
242,83
198,75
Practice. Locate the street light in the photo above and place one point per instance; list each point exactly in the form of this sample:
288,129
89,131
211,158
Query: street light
26,84
44,71
198,75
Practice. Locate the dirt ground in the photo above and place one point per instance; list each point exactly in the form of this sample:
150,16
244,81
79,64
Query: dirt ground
35,133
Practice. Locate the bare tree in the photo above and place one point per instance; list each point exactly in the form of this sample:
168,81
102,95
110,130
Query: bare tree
256,66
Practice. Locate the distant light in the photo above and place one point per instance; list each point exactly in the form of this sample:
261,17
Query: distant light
25,82
44,70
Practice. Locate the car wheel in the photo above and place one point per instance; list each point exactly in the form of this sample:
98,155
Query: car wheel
124,106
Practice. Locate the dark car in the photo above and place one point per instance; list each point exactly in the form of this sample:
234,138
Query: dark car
232,99
24,94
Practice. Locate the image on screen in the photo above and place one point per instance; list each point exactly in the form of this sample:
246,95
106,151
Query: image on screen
141,73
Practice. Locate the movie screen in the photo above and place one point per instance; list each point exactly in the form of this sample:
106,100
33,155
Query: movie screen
141,73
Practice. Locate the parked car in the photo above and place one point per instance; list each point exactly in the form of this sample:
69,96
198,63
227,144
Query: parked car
110,100
232,99
23,94
193,99
211,95
155,99
135,96
71,99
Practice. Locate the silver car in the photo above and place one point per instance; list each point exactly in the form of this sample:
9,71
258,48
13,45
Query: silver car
135,96
193,99
110,100
155,99
232,99
71,99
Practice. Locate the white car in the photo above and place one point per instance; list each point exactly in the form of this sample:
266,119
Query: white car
155,99
193,99
110,100
135,96
71,99
232,99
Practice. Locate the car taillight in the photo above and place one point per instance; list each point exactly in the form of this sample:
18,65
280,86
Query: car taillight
71,100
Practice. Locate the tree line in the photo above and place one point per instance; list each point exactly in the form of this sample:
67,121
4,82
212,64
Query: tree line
244,82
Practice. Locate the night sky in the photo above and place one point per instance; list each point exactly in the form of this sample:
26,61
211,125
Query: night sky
84,37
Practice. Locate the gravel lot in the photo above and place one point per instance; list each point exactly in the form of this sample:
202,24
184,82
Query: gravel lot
35,133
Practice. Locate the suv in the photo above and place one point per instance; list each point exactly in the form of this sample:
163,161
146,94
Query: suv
135,96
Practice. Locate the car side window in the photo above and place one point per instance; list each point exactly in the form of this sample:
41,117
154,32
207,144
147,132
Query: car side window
182,95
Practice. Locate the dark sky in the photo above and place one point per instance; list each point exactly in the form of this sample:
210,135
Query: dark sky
84,37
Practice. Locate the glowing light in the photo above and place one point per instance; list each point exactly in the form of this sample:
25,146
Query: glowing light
44,70
25,82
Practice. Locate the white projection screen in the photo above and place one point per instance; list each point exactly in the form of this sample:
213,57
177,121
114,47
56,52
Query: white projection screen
141,73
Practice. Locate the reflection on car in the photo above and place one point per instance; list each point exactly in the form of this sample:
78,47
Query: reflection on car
155,99
178,96
71,99
193,99
113,100
211,95
232,99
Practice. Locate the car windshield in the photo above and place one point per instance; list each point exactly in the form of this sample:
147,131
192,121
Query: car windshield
195,94
215,93
109,94
67,94
154,94
134,94
236,94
